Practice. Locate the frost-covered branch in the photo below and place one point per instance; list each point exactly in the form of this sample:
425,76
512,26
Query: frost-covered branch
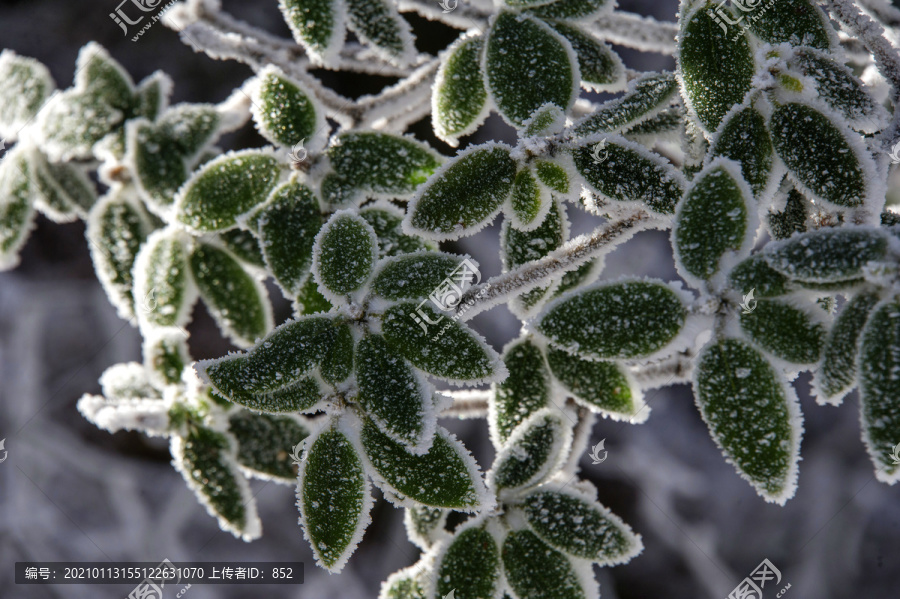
645,34
467,403
465,16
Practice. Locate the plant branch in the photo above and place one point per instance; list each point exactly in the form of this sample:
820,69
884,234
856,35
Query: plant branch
467,403
645,34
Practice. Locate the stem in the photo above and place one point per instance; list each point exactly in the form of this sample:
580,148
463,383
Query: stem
644,34
568,257
469,403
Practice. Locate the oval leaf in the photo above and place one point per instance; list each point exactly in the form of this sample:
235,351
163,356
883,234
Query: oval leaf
534,570
459,101
284,114
535,450
469,567
265,443
798,22
837,372
525,391
784,331
744,138
645,98
418,275
827,255
344,255
318,25
16,207
163,290
601,68
603,387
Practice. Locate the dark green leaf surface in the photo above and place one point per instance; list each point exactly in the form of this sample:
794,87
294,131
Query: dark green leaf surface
535,570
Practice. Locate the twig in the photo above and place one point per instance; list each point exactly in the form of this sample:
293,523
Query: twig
644,34
468,403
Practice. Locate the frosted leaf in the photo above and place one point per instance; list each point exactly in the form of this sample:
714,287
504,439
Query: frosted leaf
629,173
792,219
574,10
823,156
601,68
521,46
878,388
16,207
534,570
785,331
369,162
25,84
285,356
344,255
425,525
553,176
827,255
743,137
97,73
534,451
798,22
580,527
526,200
165,355
447,350
459,102
469,565
415,275
287,225
645,98
716,217
337,361
603,387
387,221
153,95
525,391
756,274
128,380
404,584
715,66
520,247
284,114
265,443
464,195
754,418
377,23
318,25
64,192
309,300
584,274
394,396
446,476
236,300
149,416
668,124
243,245
836,375
206,460
549,119
224,189
117,226
163,290
71,122
838,87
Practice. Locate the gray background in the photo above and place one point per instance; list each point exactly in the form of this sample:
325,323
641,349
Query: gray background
71,492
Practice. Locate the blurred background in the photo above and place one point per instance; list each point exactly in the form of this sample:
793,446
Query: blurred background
69,491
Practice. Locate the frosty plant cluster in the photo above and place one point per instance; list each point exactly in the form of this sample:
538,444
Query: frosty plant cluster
764,155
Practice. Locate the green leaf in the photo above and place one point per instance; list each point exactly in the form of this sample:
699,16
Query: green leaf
16,207
163,290
99,75
284,114
838,87
630,173
755,274
582,275
128,380
397,400
752,415
445,477
404,584
425,525
205,459
878,364
573,10
715,66
602,387
470,566
627,319
225,188
244,245
344,255
798,22
152,95
518,44
333,497
534,451
387,221
715,217
418,275
785,331
645,98
337,363
287,226
378,23
318,25
526,200
580,527
64,192
452,352
822,158
70,123
265,443
309,300
743,137
381,164
790,220
552,175
25,84
116,228
547,120
464,195
534,570
525,391
165,355
459,100
827,255
836,375
236,300
601,68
